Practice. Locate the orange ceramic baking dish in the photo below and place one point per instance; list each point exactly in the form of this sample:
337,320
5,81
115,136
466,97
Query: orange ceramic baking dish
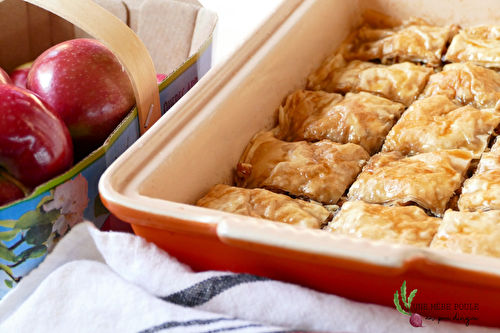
200,140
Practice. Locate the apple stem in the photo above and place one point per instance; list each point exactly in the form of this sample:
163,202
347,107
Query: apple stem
16,182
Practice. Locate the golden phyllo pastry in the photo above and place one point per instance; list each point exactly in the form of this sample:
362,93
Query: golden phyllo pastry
482,190
363,118
480,45
320,171
467,84
406,225
303,112
428,180
469,232
436,123
399,82
266,205
413,40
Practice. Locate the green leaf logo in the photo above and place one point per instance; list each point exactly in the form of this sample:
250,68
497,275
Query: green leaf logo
406,302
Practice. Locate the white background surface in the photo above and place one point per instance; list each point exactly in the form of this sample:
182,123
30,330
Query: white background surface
237,19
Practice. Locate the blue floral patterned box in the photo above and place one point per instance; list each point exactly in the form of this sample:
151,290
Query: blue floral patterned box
30,228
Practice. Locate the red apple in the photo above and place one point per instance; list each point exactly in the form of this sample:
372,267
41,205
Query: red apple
20,74
4,77
87,86
9,191
35,144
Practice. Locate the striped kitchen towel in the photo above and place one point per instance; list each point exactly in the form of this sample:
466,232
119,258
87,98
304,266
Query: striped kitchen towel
97,281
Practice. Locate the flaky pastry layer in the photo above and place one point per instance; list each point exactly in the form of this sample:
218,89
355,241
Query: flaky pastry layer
480,45
482,190
469,232
428,179
405,225
414,40
436,123
264,204
363,118
399,82
320,171
467,84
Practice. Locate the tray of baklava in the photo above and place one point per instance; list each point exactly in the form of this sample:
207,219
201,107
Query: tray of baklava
393,138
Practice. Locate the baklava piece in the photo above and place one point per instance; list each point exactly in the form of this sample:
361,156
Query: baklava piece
412,40
428,180
406,225
265,205
363,118
469,232
467,84
320,171
480,45
482,190
436,123
399,82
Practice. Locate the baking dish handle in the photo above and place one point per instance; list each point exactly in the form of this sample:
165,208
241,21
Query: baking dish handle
280,239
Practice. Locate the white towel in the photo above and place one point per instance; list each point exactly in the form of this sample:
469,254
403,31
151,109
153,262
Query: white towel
97,281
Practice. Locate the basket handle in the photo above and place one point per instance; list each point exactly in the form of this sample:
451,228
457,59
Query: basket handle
123,42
